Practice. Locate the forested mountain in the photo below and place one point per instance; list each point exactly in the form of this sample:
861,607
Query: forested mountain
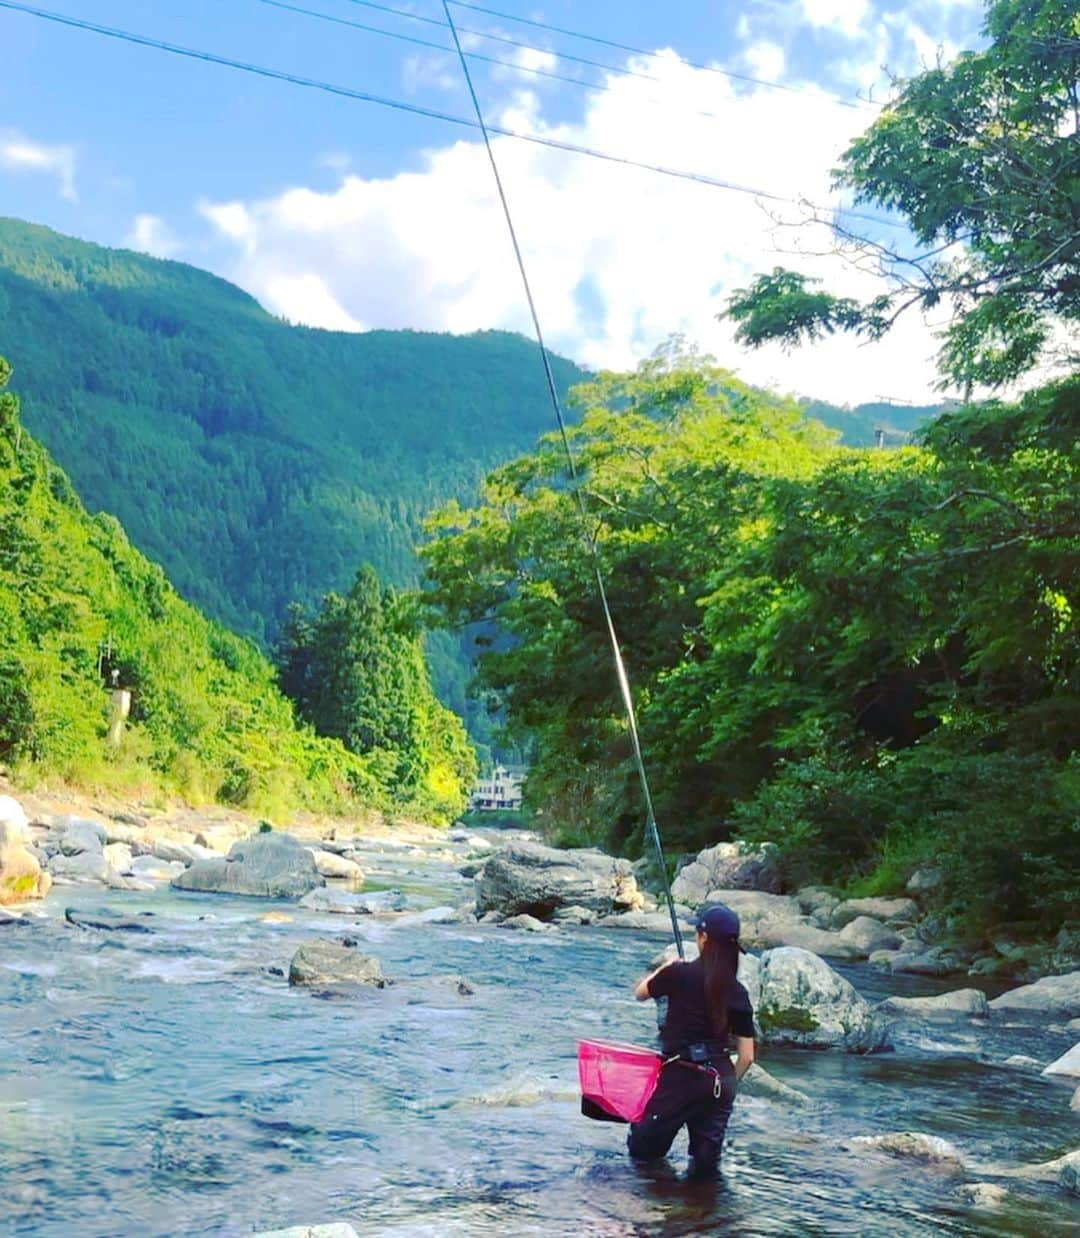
258,462
79,604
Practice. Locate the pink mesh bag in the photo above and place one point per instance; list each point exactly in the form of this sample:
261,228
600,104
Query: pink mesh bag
619,1079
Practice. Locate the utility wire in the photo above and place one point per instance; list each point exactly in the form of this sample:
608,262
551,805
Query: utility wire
399,105
590,540
599,87
637,51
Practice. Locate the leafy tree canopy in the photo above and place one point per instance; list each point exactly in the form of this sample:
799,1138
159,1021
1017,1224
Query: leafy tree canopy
981,157
869,657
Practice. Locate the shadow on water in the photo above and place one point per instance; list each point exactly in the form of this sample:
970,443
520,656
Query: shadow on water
171,1083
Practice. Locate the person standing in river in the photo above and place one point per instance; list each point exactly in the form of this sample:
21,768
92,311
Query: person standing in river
707,1010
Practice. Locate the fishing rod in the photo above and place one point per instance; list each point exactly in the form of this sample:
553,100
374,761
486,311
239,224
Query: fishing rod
651,826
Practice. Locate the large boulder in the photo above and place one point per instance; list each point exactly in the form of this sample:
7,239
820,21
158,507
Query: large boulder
803,1002
21,874
1068,1065
528,878
264,866
960,1002
727,866
803,934
1055,997
84,868
915,1146
331,864
320,964
80,834
346,903
885,910
868,935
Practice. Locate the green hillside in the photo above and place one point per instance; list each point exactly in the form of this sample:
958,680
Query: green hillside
78,603
258,462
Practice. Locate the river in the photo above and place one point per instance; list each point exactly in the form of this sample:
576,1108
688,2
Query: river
172,1083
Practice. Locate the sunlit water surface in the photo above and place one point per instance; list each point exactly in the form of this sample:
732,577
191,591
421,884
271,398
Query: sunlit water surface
171,1083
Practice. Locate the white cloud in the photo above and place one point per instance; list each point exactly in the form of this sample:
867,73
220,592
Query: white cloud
150,234
20,154
766,60
845,16
306,299
620,258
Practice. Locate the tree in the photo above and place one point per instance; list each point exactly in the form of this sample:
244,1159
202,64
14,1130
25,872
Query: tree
981,157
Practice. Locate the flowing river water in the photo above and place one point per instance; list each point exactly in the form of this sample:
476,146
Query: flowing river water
173,1083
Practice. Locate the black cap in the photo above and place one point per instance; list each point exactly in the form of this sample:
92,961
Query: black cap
718,922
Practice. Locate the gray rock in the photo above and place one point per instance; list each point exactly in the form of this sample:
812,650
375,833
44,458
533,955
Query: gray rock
923,963
574,915
885,910
803,1002
646,922
528,878
867,935
984,1195
348,903
264,866
1053,996
727,866
123,832
924,881
914,1145
118,857
79,835
758,1082
1068,1065
756,908
804,935
970,1002
325,963
527,924
84,867
109,920
150,868
330,864
1021,1061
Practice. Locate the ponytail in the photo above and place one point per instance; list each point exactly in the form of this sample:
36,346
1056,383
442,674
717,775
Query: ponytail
720,955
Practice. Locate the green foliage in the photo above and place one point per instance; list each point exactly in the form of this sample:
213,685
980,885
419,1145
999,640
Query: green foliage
356,672
258,462
979,157
207,719
867,657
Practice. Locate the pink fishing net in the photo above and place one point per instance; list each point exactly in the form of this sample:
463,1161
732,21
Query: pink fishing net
619,1078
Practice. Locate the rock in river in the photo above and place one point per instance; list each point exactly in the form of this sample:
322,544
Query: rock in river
1068,1065
727,866
528,878
346,903
263,866
1055,996
917,1146
21,875
109,920
804,1002
323,963
970,1002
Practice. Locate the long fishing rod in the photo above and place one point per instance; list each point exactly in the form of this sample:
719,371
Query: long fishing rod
620,667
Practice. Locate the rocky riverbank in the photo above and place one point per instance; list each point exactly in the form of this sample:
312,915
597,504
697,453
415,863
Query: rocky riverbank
260,961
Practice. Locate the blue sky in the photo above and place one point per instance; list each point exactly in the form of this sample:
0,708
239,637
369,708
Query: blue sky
348,215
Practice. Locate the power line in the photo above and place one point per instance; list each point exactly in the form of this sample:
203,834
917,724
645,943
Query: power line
399,105
596,64
637,51
449,51
590,541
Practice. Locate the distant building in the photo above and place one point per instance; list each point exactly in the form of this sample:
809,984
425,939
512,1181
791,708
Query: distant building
501,789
